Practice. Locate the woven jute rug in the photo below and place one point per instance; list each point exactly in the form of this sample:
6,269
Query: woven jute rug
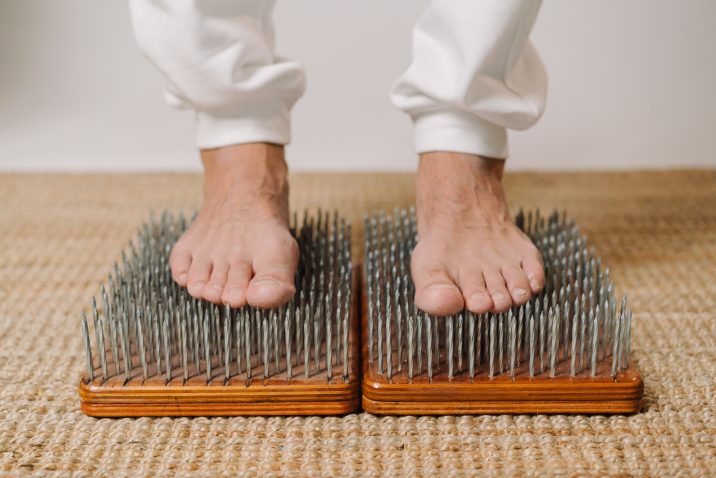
59,235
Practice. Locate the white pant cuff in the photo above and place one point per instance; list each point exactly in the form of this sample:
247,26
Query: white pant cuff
214,131
460,132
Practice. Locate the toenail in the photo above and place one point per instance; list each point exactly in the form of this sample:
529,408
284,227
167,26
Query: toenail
197,286
478,297
441,286
182,277
499,297
234,295
519,292
267,281
535,284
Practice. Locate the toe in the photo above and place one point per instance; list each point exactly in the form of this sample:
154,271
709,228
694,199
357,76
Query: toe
495,282
237,283
477,299
198,276
435,291
180,262
439,297
274,271
517,284
534,269
215,287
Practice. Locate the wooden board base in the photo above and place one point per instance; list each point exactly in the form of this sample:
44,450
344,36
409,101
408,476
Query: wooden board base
220,409
275,395
485,407
498,395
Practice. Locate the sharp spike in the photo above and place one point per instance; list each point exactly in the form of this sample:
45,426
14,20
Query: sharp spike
88,349
265,344
207,351
419,338
388,333
141,351
184,349
346,325
167,351
317,336
471,344
227,344
410,347
125,354
449,339
542,326
512,326
492,346
287,335
329,343
247,345
460,334
306,342
101,349
532,345
594,315
428,346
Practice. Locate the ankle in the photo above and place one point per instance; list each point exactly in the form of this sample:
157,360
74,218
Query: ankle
245,158
252,176
451,161
458,188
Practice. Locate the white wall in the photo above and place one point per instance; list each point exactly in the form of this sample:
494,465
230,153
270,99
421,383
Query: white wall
632,85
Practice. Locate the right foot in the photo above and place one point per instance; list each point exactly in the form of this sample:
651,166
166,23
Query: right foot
239,249
469,254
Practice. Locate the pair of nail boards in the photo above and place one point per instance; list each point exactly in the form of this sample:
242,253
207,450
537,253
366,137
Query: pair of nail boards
152,350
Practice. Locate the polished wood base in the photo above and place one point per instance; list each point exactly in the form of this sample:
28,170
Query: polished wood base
485,407
502,394
232,400
275,395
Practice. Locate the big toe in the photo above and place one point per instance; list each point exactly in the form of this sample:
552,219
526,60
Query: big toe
274,271
435,292
267,291
439,298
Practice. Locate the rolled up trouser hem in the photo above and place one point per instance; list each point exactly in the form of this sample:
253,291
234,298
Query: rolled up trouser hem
460,132
270,125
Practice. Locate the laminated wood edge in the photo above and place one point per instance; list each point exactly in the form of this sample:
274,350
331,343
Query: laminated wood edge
294,398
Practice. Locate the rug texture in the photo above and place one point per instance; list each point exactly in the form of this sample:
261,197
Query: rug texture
59,235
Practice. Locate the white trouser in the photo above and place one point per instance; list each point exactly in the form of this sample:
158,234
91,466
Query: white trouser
474,72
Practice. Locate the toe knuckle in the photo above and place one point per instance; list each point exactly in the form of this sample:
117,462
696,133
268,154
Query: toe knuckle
291,246
236,260
534,253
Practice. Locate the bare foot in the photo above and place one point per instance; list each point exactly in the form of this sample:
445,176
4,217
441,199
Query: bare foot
239,249
469,252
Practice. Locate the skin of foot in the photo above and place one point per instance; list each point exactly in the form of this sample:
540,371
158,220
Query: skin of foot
469,252
239,249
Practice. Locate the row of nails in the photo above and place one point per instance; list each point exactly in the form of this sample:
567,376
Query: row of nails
141,318
569,328
147,326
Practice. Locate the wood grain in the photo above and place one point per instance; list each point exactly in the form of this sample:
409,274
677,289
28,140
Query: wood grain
502,394
275,395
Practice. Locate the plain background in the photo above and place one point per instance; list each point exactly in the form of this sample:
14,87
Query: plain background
632,85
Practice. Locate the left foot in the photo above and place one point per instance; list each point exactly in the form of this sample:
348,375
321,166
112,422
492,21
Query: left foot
239,249
469,253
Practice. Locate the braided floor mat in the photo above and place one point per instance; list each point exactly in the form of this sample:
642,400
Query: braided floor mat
59,235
